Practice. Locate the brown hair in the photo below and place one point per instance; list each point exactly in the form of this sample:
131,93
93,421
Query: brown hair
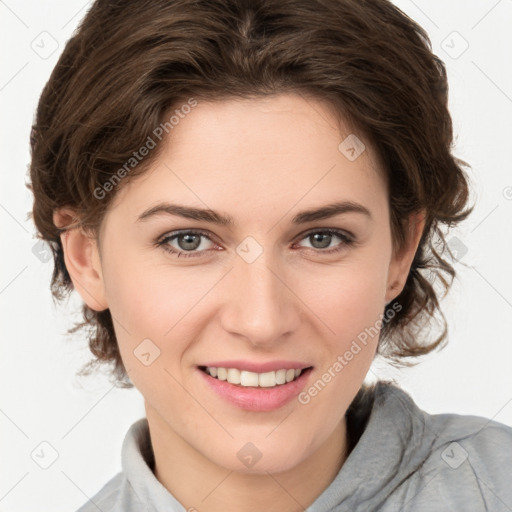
130,63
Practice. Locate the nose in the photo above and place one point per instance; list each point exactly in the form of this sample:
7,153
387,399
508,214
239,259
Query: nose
259,304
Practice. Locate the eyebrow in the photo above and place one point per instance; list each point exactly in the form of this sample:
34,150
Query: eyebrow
211,216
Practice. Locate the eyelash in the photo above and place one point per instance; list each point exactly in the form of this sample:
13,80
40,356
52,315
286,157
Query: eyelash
347,241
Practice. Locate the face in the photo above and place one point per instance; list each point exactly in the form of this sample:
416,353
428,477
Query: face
273,285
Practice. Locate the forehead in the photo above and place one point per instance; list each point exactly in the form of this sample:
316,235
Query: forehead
264,126
264,154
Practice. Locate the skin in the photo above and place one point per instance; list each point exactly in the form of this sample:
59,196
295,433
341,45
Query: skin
261,161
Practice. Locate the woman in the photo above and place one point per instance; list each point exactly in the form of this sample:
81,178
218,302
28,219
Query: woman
249,197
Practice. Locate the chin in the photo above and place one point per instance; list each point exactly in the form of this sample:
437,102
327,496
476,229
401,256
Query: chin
253,459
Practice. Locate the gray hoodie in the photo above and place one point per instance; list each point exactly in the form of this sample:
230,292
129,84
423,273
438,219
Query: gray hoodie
402,460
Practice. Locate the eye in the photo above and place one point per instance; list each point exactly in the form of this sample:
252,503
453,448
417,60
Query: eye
320,239
190,243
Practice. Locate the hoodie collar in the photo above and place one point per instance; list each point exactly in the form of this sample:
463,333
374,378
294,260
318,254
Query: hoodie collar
398,438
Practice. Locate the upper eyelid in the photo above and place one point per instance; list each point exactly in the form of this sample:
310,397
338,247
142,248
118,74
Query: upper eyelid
334,231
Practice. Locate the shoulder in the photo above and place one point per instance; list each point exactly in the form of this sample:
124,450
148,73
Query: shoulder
440,461
482,441
107,499
117,495
470,462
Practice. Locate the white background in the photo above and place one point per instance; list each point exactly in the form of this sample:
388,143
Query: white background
85,420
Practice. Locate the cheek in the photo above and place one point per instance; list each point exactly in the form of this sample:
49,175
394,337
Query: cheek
150,298
151,303
348,298
350,308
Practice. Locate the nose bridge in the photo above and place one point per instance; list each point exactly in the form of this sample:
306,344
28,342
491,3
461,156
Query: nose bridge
258,304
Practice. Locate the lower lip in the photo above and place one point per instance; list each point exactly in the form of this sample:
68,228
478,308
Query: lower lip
257,399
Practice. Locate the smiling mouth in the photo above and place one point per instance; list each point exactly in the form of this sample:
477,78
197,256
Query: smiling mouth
244,378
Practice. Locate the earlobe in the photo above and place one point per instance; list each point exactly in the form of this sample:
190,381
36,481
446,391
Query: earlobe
402,260
81,257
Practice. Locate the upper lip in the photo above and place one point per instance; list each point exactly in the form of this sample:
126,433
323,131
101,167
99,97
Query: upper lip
252,366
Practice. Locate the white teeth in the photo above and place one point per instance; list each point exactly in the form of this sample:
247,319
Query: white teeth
252,379
248,378
233,376
267,379
280,376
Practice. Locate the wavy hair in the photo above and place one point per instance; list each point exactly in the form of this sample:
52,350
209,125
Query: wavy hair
131,62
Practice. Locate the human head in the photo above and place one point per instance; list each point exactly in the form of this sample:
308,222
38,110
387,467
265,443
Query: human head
131,65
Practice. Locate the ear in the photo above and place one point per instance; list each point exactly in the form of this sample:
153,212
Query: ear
82,259
402,259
